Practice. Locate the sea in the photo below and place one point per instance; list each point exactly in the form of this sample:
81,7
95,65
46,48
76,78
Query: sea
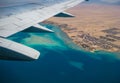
61,61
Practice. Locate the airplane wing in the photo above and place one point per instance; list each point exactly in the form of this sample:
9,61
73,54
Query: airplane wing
18,18
14,19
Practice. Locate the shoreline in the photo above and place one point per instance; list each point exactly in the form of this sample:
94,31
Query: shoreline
85,40
92,30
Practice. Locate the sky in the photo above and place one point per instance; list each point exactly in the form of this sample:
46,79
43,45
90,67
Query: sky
11,2
6,3
111,1
106,1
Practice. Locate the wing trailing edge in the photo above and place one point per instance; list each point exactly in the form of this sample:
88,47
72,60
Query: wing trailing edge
42,28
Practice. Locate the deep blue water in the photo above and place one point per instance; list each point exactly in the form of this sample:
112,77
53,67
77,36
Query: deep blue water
60,62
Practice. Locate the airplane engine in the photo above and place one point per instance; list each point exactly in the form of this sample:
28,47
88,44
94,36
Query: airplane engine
10,50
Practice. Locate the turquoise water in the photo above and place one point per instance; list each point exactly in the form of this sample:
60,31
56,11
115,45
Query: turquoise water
61,61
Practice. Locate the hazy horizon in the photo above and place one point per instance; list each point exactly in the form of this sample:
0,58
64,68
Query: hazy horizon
111,2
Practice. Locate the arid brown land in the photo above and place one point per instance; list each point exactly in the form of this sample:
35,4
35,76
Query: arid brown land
94,27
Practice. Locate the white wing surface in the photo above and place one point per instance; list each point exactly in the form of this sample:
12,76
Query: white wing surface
17,18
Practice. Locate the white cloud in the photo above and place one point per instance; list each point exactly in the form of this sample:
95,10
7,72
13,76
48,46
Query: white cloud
111,1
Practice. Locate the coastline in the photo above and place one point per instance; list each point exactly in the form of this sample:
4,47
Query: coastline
63,36
87,43
92,30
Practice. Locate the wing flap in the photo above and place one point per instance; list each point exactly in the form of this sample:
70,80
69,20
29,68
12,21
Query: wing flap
42,28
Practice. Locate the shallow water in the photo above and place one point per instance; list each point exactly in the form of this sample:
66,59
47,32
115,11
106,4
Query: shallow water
61,61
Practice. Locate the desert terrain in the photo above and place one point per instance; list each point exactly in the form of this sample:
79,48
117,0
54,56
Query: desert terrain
94,27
